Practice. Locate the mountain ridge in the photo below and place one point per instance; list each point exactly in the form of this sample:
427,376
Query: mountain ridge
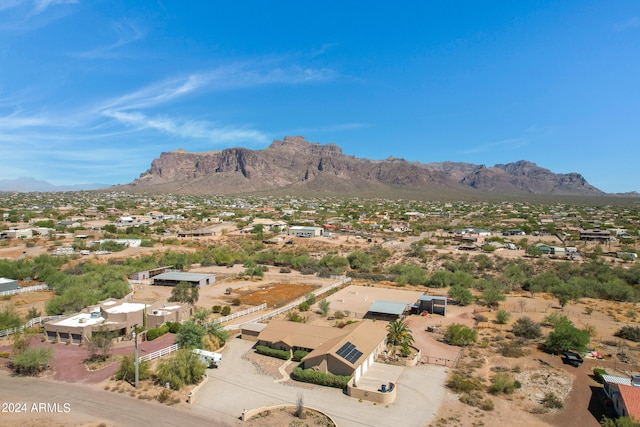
296,166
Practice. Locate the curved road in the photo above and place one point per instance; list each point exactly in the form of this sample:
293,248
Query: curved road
88,405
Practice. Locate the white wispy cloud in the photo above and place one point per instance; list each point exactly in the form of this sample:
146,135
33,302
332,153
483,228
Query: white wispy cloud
504,145
42,5
25,15
126,33
626,25
223,78
187,128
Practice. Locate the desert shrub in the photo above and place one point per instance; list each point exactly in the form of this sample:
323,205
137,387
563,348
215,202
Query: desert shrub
503,383
598,373
304,306
236,301
298,355
502,316
294,316
463,384
476,400
631,333
511,349
460,335
226,310
216,309
524,327
551,401
480,318
32,361
339,314
127,370
268,351
184,368
320,378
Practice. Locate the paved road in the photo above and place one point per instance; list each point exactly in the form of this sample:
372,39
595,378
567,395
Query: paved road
236,385
87,404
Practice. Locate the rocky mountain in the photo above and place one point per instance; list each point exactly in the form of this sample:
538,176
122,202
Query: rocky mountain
296,166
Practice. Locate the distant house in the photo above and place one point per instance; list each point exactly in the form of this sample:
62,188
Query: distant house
305,231
25,233
203,232
172,278
595,235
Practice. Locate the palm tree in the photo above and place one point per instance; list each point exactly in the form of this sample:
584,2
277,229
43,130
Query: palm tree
399,334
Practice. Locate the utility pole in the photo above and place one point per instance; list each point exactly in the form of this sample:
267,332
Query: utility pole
135,354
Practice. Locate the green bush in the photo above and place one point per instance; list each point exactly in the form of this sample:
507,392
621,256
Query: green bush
304,306
298,355
174,327
32,361
226,310
127,370
320,378
152,334
598,373
184,368
216,309
460,335
268,351
503,383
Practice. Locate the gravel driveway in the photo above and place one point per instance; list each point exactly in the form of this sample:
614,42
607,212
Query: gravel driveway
237,385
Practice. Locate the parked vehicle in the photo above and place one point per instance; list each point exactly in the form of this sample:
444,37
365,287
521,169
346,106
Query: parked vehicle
572,358
209,358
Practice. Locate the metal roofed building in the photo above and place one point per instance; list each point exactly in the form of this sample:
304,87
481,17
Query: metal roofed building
8,284
305,231
387,310
174,277
432,304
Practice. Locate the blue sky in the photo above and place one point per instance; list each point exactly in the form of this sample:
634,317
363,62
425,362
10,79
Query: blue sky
93,91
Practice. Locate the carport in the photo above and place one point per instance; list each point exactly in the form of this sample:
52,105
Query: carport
386,310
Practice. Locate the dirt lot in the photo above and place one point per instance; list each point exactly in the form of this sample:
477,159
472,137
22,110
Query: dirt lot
274,295
23,302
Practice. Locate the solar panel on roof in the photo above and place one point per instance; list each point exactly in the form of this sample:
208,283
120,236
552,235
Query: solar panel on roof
349,352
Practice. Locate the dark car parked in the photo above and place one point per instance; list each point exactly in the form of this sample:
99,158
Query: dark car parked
572,358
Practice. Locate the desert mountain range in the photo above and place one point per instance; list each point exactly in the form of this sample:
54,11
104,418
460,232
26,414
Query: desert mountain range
296,166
